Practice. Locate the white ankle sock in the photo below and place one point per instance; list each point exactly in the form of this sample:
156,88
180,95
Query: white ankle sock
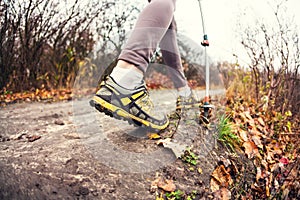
128,78
185,91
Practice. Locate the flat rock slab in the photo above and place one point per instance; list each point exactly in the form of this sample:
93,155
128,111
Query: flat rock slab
67,150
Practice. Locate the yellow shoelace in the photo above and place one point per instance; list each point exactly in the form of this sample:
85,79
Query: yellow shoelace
146,103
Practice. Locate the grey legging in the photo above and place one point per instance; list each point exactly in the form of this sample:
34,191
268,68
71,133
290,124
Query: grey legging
155,27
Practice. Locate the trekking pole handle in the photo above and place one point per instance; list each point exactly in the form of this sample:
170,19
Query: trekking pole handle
205,42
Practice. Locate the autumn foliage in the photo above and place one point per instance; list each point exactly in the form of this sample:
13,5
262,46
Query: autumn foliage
269,142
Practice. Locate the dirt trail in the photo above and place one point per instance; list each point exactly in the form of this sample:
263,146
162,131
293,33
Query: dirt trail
66,150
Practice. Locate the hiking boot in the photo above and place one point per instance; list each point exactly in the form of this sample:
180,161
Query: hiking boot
134,106
185,103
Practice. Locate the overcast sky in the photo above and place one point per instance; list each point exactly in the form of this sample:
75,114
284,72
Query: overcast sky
221,18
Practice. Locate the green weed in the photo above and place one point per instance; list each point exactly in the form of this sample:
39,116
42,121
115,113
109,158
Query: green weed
189,157
192,195
225,133
176,195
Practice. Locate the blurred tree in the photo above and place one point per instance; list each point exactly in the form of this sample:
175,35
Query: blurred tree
275,61
42,41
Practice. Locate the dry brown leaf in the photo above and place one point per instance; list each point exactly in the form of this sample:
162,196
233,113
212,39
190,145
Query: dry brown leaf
251,149
292,175
166,185
270,153
243,116
268,186
276,147
256,187
260,174
243,135
261,121
214,185
257,140
248,116
222,177
262,129
237,121
266,164
254,131
37,95
252,124
285,193
153,187
274,167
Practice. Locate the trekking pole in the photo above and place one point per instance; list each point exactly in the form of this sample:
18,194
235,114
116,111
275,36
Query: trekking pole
206,106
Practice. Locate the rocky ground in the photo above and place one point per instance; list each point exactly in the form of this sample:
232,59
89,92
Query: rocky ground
67,150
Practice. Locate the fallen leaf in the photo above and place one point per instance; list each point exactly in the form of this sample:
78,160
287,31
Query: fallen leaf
226,162
153,187
270,154
256,187
242,116
250,149
214,185
163,141
262,129
275,167
267,188
266,164
178,149
284,160
153,136
285,193
164,184
243,135
278,150
221,177
259,174
246,115
261,121
257,140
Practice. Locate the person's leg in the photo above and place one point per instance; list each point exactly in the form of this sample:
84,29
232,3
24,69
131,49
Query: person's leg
123,95
171,57
150,28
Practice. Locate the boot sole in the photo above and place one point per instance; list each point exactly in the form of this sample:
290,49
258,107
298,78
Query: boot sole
118,113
